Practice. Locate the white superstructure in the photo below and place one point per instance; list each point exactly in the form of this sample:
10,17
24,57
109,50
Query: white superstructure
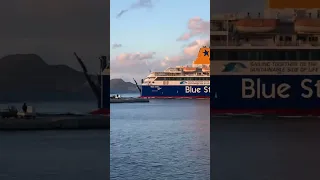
193,75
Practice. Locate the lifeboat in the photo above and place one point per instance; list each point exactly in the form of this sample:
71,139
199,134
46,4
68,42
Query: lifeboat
307,25
256,25
189,69
205,69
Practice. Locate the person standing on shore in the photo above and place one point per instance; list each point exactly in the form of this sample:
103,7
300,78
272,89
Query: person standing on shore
24,107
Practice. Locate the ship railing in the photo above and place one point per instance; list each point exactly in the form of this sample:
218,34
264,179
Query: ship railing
183,75
172,71
219,32
223,43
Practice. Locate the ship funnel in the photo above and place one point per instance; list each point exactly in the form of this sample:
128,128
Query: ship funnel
203,56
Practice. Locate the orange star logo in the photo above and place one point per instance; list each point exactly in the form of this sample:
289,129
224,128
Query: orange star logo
203,56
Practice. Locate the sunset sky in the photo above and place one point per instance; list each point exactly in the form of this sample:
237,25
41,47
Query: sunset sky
147,31
152,35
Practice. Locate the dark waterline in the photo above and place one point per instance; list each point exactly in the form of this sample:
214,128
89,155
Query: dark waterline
163,139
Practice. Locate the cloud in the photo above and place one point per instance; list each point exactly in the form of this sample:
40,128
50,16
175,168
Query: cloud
132,65
193,48
138,65
116,45
133,57
121,13
137,5
189,53
196,27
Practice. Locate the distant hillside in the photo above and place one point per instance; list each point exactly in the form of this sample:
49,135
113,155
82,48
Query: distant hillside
27,77
120,86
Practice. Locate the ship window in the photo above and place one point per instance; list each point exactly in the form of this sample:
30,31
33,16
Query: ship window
281,55
274,55
270,54
288,38
315,54
219,55
301,38
243,55
291,55
253,55
313,38
265,55
232,55
303,54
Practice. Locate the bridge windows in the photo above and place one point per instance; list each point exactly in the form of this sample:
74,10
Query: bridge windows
265,54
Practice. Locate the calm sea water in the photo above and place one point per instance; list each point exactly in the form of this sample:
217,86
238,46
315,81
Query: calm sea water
266,148
52,155
163,139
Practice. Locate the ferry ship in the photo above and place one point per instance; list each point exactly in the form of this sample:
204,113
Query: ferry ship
181,81
266,62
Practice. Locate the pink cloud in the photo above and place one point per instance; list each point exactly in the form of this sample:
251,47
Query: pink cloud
132,64
126,57
193,48
138,65
196,27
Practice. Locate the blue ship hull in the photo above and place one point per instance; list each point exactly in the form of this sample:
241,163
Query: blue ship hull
266,94
175,91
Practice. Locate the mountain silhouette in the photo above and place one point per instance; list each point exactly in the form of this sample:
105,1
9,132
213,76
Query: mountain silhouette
120,86
27,77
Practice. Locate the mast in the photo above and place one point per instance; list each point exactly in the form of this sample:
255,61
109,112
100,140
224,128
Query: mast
101,87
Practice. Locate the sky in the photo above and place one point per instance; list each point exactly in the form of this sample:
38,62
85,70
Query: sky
153,35
55,29
146,36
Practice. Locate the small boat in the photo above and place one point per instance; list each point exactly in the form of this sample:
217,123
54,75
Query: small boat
129,100
256,25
